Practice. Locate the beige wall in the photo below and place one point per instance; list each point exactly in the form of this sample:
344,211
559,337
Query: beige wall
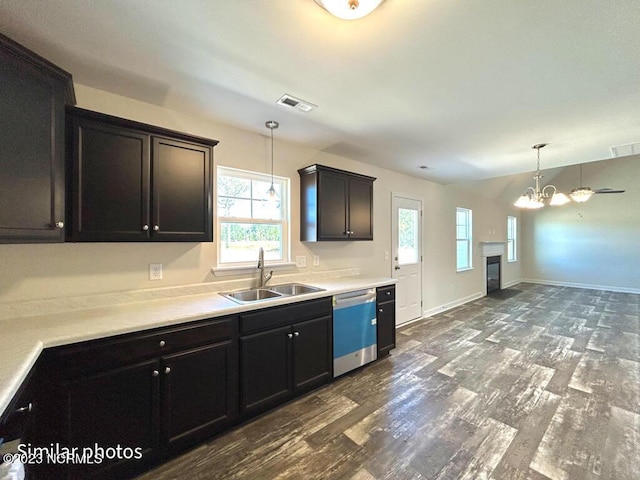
595,244
55,270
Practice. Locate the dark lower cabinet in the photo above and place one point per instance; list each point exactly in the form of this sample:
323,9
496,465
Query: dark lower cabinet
199,393
184,391
118,408
285,357
32,147
266,369
386,319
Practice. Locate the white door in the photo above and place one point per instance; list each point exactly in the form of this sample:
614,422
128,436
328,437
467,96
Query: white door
406,245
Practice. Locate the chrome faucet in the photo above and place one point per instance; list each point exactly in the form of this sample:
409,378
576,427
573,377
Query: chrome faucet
264,278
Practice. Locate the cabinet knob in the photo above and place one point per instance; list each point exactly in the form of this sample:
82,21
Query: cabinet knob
167,370
162,343
388,292
156,228
155,373
59,225
296,334
290,335
145,227
380,310
26,408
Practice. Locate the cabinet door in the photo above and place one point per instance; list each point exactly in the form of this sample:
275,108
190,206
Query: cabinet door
265,369
386,327
31,153
119,407
111,168
199,393
182,191
360,209
311,353
332,206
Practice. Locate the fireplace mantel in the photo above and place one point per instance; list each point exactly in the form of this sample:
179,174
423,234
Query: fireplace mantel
489,249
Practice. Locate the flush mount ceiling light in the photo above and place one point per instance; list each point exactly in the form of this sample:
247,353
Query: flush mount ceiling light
349,9
534,197
271,125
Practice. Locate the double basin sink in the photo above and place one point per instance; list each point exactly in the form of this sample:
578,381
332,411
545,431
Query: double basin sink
268,293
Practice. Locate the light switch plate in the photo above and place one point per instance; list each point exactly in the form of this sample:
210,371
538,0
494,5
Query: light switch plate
301,261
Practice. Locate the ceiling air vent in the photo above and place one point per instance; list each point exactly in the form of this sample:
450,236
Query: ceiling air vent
296,103
626,150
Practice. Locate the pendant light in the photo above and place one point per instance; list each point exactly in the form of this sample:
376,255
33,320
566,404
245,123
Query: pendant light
534,197
272,125
349,9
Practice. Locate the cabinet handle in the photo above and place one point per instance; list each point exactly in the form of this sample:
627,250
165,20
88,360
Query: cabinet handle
155,373
167,370
296,334
290,335
28,408
156,228
162,343
59,225
145,227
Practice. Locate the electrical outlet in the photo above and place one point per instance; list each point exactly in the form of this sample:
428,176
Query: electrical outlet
155,271
316,260
301,261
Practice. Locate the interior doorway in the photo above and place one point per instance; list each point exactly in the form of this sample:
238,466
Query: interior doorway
406,246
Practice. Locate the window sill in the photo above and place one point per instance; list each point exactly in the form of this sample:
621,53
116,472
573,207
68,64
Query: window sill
464,270
243,270
512,261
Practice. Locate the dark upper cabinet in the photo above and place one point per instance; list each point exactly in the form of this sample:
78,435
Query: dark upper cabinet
32,145
136,182
335,205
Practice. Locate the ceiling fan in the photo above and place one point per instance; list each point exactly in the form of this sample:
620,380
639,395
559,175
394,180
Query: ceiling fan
582,194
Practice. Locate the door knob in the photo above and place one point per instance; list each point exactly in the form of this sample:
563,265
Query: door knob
396,267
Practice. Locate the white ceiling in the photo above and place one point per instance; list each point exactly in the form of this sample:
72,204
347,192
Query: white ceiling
463,87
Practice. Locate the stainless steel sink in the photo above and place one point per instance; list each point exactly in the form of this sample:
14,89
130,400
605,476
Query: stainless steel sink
259,294
253,295
294,289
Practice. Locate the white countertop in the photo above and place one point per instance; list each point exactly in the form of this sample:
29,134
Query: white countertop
24,337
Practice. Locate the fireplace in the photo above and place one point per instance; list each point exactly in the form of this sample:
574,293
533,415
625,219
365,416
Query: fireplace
493,273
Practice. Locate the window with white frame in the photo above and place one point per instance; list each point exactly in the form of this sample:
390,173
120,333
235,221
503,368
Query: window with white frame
512,238
249,218
463,239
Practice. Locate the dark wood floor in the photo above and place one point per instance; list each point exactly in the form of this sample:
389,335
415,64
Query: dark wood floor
542,385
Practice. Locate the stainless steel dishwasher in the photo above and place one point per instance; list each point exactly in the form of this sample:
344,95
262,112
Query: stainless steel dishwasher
354,330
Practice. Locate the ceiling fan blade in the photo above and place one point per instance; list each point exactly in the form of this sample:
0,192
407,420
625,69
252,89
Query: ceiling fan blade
607,190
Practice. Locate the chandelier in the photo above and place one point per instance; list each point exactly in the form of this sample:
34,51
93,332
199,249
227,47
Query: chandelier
534,197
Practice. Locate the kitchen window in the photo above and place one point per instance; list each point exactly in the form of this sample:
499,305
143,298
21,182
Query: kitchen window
463,239
512,237
249,218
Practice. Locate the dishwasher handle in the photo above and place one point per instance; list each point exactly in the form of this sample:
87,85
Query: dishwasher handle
354,298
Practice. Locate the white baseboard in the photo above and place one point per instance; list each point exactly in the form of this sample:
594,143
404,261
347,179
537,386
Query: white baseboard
450,305
607,288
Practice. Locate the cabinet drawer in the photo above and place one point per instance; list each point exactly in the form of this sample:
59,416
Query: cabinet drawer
386,294
280,316
99,354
